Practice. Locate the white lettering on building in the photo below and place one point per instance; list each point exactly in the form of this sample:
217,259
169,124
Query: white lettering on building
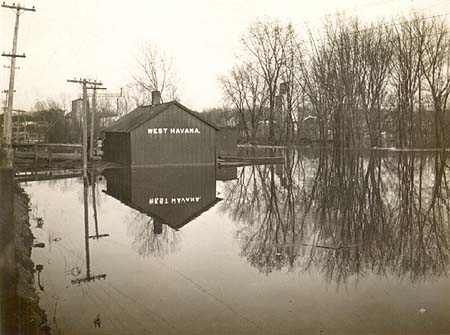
175,131
174,200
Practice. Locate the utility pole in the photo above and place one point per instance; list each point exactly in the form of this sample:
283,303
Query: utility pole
93,116
84,83
7,123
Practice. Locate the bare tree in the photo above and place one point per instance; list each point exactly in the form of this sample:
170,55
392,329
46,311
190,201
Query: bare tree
405,77
331,83
435,65
245,91
252,87
378,84
375,63
268,45
154,71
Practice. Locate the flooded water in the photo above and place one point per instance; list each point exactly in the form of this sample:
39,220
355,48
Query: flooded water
327,243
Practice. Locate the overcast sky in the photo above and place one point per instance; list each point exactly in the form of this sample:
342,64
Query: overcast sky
99,39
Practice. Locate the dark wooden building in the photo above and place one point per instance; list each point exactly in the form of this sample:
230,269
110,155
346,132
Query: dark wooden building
161,134
172,196
227,139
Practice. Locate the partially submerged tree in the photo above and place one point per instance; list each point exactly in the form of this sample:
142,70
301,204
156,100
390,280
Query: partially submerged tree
436,70
252,87
244,91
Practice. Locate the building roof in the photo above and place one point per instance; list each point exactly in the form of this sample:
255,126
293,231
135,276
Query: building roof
134,119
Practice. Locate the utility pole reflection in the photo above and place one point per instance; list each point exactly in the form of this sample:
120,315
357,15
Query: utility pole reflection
94,206
89,277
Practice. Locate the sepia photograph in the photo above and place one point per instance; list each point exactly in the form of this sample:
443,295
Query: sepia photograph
239,167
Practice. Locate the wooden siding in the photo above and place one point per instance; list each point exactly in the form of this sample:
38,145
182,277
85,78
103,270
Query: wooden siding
116,148
173,149
118,181
227,142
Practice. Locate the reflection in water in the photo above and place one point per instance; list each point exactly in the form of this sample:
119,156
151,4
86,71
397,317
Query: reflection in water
166,199
92,180
373,218
345,216
89,276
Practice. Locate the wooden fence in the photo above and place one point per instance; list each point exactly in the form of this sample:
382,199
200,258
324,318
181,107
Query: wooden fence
47,151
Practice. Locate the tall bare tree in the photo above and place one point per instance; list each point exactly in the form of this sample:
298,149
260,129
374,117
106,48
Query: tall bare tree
367,85
154,71
245,91
269,45
252,87
375,64
436,70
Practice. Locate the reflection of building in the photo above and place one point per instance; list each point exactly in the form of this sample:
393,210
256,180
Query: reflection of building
226,173
173,196
161,134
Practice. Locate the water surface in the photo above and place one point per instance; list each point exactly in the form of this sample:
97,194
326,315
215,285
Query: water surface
327,243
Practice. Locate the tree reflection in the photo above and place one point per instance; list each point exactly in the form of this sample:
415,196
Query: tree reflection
151,238
419,214
345,215
267,215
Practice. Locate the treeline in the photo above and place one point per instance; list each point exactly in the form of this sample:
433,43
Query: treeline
55,121
46,125
384,84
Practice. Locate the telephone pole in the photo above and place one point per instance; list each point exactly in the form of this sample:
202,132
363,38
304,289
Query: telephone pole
84,83
93,116
7,122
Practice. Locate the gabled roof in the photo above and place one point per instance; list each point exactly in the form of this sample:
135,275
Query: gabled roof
142,114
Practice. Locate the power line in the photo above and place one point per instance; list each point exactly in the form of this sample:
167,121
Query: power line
355,9
340,13
382,26
84,83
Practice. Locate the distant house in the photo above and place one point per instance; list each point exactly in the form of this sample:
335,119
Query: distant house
161,134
